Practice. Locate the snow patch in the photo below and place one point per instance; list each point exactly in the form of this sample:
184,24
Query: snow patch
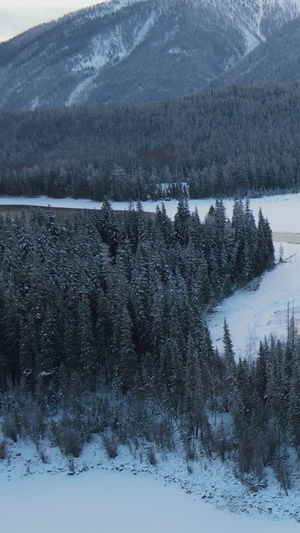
104,51
253,314
76,94
35,103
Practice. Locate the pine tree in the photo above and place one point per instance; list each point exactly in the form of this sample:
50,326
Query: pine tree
194,401
182,222
229,385
294,406
125,355
261,377
88,356
108,227
264,257
48,355
164,226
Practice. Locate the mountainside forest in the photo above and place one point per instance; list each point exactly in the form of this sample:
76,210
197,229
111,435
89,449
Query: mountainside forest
234,141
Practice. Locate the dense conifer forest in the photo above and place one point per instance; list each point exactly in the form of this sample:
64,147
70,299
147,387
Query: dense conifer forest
103,317
103,330
234,141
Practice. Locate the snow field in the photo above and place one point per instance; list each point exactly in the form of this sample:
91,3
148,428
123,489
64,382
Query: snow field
127,495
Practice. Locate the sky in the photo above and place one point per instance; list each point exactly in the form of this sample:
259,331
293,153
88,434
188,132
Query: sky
17,16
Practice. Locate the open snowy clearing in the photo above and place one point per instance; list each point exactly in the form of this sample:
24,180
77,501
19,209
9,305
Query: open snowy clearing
283,212
101,499
252,314
293,238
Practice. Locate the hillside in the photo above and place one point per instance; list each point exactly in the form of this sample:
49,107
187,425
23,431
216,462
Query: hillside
235,140
133,51
275,59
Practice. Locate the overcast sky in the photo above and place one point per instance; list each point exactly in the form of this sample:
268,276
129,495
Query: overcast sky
17,16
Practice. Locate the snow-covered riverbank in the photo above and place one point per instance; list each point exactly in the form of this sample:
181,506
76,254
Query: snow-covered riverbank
128,495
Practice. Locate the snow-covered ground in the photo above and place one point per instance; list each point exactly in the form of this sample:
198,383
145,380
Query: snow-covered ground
111,502
282,211
252,314
128,495
102,499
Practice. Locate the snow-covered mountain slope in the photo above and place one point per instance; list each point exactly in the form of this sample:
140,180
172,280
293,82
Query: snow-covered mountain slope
134,50
276,59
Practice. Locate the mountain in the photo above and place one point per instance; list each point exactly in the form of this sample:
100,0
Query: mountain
136,50
276,59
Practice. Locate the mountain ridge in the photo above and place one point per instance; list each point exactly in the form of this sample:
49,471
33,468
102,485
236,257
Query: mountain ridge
276,59
131,51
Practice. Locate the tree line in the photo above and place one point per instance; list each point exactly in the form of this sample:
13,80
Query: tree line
234,141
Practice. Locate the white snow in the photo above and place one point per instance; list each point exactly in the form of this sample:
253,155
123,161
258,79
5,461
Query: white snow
130,496
83,86
251,41
282,211
106,50
143,497
259,19
251,315
110,502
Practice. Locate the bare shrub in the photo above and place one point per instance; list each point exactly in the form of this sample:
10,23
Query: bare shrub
72,468
151,456
271,441
190,451
222,444
3,450
42,454
110,443
162,434
283,474
245,456
189,469
66,436
70,442
33,421
10,429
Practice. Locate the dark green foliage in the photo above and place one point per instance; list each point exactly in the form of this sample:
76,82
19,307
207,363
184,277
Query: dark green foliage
99,299
99,305
235,141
